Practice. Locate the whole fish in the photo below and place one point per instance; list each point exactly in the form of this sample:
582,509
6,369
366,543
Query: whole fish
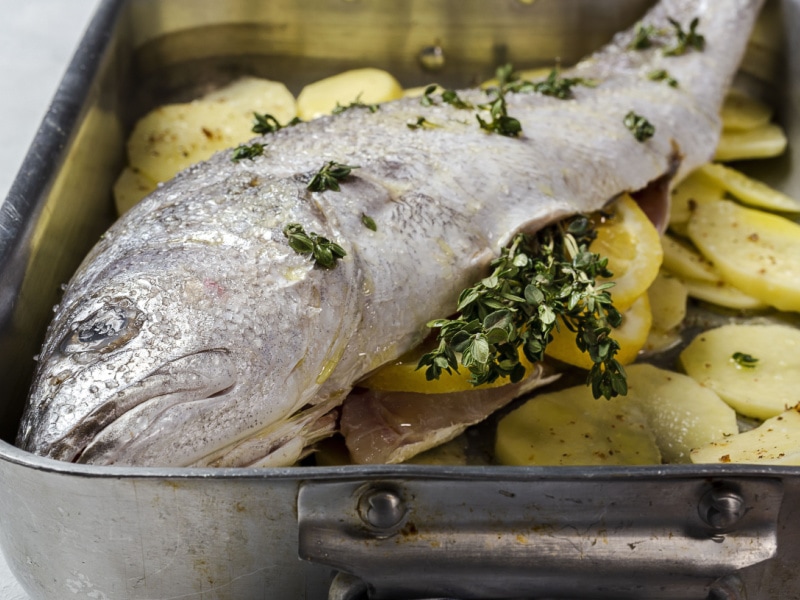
193,334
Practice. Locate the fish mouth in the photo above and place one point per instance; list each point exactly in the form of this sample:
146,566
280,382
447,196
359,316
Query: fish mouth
121,418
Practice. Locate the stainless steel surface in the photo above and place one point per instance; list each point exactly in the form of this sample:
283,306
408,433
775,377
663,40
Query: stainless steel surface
500,537
233,534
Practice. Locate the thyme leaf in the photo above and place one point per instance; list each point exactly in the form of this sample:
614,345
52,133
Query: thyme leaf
321,249
686,40
539,282
662,75
560,87
329,176
247,151
642,39
266,123
641,128
368,222
421,123
357,103
744,360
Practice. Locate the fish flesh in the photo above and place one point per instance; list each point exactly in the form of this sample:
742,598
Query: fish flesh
194,335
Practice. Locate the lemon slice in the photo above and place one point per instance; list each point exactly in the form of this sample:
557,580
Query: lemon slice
401,375
633,248
631,336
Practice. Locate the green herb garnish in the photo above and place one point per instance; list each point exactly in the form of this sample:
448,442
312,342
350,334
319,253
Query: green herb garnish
642,38
421,123
266,123
641,128
329,176
744,360
247,151
499,122
322,250
537,282
368,222
663,75
687,40
560,87
357,103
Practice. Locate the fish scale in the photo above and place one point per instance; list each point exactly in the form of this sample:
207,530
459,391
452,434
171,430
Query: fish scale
280,348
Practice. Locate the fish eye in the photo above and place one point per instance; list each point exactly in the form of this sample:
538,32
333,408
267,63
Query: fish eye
113,325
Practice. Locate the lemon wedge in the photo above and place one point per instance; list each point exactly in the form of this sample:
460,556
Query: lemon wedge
633,248
631,336
401,375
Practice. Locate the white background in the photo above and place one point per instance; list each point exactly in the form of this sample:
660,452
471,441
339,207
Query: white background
37,39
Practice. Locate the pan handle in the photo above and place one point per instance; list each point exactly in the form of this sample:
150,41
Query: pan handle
501,538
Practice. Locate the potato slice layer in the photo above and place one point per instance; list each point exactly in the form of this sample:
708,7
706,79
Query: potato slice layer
681,413
175,136
667,296
741,112
774,442
748,190
570,427
754,368
697,187
752,250
761,142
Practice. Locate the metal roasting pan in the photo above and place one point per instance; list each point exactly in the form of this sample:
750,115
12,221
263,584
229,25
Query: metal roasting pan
76,531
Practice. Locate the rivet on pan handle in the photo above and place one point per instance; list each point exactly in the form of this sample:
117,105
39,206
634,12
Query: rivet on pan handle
496,538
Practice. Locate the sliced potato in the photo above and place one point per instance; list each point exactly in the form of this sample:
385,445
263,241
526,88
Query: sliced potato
667,295
722,294
696,188
175,136
570,427
370,86
686,262
680,412
741,112
752,250
762,142
748,190
130,187
754,368
774,442
631,336
659,341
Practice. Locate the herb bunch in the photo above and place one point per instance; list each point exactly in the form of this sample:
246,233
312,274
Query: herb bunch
539,282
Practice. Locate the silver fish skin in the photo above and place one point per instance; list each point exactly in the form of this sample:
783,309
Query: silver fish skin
193,335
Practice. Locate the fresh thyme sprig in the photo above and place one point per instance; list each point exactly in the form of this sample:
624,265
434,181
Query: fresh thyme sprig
537,282
266,123
560,87
357,103
321,249
500,122
329,176
640,127
686,40
450,97
247,151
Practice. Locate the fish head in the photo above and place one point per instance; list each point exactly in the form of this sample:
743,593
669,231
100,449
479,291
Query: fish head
116,362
